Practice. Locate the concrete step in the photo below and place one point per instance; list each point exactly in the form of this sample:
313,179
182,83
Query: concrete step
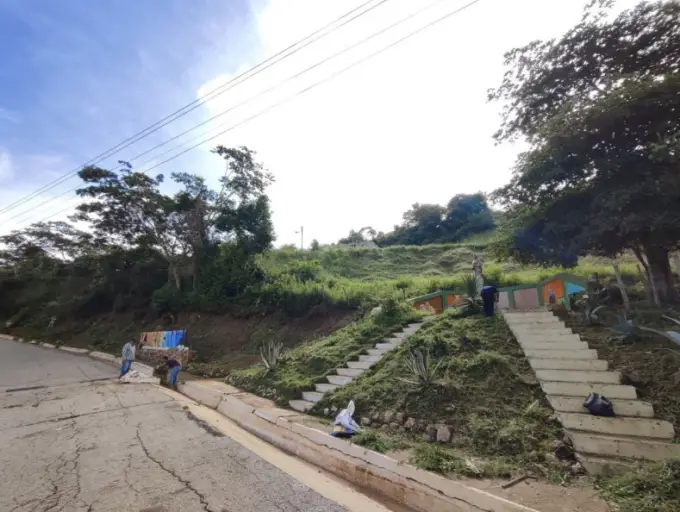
531,340
527,314
560,354
582,390
629,427
311,396
376,352
370,359
533,325
553,345
300,405
625,408
629,447
359,365
339,380
394,341
569,364
579,376
598,465
326,388
548,337
349,372
386,346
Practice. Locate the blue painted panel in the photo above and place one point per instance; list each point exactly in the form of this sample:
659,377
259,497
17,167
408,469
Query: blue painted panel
574,288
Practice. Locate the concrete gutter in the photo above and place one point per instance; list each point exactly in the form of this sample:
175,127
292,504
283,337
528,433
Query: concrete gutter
420,490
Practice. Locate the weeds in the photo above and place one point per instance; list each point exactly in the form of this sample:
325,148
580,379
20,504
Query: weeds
649,488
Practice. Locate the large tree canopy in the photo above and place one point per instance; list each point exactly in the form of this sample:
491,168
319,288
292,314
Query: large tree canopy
600,107
464,215
129,208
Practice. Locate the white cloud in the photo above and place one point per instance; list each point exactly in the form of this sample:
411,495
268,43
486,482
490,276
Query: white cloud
6,167
411,125
54,204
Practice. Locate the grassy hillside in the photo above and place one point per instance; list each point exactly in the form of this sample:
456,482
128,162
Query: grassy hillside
347,273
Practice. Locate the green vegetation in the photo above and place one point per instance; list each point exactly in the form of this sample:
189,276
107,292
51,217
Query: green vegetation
303,366
484,390
598,109
649,488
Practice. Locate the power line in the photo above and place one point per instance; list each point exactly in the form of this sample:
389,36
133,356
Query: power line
293,77
254,97
320,82
255,70
314,85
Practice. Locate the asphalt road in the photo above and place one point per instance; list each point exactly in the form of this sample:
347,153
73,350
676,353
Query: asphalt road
70,441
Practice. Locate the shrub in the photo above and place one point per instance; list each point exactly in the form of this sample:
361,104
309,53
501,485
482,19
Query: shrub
167,299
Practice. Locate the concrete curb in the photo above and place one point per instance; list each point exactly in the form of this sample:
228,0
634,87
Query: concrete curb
415,488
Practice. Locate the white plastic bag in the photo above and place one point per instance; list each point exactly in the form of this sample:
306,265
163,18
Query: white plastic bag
344,420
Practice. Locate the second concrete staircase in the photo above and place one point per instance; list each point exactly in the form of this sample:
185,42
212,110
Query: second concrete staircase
568,371
353,369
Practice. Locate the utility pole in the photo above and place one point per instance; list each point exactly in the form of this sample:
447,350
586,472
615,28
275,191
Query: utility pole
302,237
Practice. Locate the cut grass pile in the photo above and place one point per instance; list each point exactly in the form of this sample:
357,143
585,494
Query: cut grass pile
485,391
649,488
300,368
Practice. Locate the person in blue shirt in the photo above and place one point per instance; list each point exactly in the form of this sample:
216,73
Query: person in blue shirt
127,357
489,297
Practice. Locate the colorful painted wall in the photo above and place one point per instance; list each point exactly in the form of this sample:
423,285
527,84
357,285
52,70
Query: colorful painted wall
553,290
163,339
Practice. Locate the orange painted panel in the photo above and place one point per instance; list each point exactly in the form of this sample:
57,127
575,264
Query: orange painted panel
557,287
434,305
455,301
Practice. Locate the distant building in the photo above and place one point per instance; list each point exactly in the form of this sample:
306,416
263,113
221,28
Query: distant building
364,244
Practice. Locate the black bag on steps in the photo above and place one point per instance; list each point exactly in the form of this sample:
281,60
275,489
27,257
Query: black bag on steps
599,405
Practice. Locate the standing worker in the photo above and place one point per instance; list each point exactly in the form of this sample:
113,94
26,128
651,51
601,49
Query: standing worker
128,357
174,367
489,296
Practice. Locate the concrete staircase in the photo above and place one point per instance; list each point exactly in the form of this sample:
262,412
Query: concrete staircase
353,369
568,371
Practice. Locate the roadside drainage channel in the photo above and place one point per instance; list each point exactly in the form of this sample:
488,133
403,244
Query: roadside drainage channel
414,488
568,370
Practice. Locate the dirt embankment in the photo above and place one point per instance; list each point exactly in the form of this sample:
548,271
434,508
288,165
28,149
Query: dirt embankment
222,342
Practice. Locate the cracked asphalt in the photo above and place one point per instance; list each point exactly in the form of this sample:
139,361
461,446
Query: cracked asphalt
70,441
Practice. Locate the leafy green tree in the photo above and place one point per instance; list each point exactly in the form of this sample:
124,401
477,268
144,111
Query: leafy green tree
128,208
465,215
599,107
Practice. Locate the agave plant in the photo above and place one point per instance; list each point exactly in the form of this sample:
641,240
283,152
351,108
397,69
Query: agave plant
270,353
473,299
674,336
422,368
591,316
624,328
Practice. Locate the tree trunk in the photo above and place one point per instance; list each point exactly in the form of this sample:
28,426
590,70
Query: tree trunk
173,275
660,275
622,287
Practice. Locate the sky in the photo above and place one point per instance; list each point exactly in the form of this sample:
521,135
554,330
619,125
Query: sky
410,124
